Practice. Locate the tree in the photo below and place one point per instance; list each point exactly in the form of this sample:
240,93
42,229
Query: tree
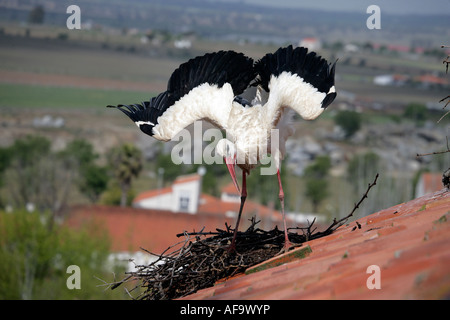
36,15
37,176
93,179
34,259
417,112
82,151
316,181
94,182
5,160
29,149
171,170
126,163
363,167
349,121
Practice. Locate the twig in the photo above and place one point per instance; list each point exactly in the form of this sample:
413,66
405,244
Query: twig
444,114
446,60
445,106
447,97
340,222
435,152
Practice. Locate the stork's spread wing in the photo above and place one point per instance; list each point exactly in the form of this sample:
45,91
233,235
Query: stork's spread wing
214,68
202,88
297,79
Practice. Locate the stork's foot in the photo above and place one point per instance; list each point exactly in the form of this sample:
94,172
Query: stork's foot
288,246
231,248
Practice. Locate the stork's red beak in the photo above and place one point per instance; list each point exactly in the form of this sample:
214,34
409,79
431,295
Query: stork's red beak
231,165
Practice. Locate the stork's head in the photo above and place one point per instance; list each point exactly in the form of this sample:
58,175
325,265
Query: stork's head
226,149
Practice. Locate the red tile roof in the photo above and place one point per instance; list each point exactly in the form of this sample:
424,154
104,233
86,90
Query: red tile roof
408,242
187,178
230,189
152,193
155,230
432,182
428,78
212,205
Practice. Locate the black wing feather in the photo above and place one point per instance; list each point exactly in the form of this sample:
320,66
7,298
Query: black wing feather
214,68
312,68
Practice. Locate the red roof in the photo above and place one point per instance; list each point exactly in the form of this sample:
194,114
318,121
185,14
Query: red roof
230,189
152,193
428,78
431,182
155,230
187,178
408,242
212,205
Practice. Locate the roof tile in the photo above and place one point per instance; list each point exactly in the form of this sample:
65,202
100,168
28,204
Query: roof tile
409,243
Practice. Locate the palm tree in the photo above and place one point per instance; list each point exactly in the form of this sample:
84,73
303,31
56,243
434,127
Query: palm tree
126,162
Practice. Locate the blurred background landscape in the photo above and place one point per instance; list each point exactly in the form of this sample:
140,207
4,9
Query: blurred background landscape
59,142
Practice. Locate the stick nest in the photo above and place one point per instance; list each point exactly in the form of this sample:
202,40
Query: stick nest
202,258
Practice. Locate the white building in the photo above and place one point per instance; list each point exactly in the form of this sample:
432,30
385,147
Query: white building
312,44
182,196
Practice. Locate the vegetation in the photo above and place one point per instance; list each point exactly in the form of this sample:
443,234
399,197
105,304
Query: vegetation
265,189
32,96
37,177
363,167
416,112
93,179
126,163
349,121
317,183
37,15
35,259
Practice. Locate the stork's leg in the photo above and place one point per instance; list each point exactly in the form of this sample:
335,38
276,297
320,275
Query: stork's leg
232,247
287,243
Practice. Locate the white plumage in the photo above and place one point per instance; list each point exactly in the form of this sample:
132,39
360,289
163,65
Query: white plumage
208,88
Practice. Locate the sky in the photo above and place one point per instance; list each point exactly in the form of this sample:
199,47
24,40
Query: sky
386,6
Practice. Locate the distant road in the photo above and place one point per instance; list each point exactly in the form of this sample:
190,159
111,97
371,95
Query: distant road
21,77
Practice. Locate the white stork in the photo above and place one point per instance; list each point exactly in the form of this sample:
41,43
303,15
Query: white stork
208,88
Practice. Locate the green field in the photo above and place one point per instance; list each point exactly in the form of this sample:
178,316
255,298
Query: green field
36,96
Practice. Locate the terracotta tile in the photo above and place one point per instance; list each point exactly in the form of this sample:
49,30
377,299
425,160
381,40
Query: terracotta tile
318,292
409,242
298,253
